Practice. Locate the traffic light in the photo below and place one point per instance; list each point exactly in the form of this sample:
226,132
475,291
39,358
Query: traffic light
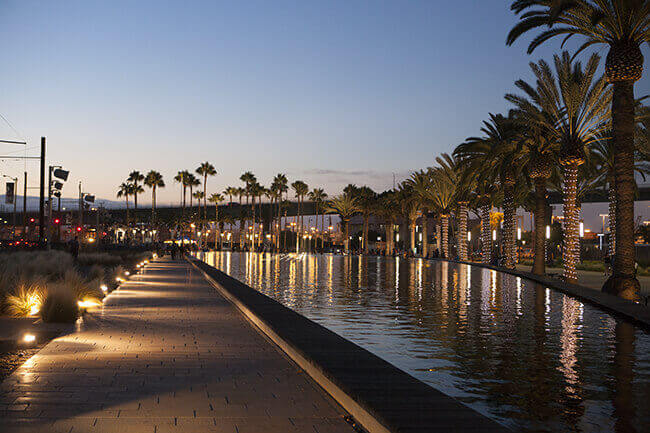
78,228
31,220
56,221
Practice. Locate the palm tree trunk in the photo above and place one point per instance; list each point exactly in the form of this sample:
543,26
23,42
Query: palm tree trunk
462,231
445,235
217,232
612,219
298,241
623,281
347,236
365,233
389,230
253,223
570,223
425,234
412,230
486,235
153,204
509,225
539,258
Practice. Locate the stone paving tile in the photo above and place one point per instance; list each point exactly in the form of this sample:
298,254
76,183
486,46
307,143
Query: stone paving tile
165,354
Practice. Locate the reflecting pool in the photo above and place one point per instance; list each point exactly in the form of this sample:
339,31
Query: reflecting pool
528,356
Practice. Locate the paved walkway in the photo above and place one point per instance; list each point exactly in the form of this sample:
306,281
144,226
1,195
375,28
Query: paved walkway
591,279
165,354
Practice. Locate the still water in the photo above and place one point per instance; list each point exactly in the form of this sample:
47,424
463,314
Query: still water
530,357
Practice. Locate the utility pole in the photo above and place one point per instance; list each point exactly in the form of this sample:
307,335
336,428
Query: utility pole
25,208
81,212
41,207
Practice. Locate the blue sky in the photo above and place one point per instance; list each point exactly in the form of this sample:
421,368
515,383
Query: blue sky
331,92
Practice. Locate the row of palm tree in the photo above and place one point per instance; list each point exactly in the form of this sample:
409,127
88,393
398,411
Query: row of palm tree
133,186
621,26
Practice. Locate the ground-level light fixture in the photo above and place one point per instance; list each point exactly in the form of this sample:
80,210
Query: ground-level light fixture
494,235
582,229
548,232
518,233
469,236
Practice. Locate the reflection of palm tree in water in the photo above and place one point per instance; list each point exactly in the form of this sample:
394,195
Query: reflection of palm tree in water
624,360
572,394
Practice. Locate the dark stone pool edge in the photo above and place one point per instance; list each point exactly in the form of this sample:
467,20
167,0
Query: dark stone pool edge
619,307
380,396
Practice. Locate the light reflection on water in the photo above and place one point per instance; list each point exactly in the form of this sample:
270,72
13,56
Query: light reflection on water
531,357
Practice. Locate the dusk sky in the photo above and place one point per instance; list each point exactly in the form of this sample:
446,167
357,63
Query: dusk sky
329,92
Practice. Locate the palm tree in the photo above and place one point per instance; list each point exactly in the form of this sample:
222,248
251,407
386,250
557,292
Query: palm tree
410,207
623,26
494,158
216,198
248,178
367,201
422,185
388,208
193,183
576,106
346,206
154,180
230,192
125,190
256,191
301,189
240,193
180,178
445,178
135,177
205,169
318,196
280,185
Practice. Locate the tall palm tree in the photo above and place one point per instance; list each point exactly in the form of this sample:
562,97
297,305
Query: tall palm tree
346,206
256,191
301,189
445,178
318,196
494,158
422,185
241,192
135,177
281,186
410,206
248,178
192,182
215,199
204,170
366,198
230,192
125,190
623,26
154,180
180,178
577,107
388,208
